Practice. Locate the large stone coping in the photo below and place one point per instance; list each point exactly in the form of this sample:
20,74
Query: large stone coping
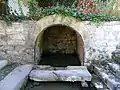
15,79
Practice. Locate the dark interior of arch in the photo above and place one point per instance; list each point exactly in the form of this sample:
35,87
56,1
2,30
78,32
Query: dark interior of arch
59,47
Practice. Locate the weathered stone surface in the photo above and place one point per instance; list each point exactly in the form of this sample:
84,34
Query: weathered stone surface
98,83
76,68
74,75
113,85
43,67
60,75
15,41
116,54
112,82
42,75
15,79
98,40
3,63
115,68
117,51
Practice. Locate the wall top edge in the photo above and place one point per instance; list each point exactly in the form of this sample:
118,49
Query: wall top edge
107,23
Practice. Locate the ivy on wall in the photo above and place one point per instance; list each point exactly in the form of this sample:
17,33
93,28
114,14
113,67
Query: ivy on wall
36,12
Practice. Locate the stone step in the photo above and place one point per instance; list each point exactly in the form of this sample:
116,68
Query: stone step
3,63
112,82
78,73
15,79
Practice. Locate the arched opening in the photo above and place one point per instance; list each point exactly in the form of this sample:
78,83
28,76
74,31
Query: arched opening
60,45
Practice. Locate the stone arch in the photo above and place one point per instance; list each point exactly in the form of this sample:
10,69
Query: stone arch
51,20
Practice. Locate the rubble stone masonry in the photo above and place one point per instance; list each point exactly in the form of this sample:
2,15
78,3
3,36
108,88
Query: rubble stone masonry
17,41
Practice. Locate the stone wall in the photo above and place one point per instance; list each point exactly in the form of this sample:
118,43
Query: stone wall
103,40
18,40
60,39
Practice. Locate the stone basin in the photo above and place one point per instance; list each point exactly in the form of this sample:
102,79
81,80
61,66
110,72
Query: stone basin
70,73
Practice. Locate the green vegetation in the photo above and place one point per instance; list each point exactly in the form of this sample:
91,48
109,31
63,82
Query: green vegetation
107,6
36,12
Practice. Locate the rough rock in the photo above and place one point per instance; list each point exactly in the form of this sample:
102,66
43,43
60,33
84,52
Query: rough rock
113,85
115,68
112,82
117,51
116,54
99,86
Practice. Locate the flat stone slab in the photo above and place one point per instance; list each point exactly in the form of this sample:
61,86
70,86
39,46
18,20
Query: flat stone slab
69,74
3,63
15,79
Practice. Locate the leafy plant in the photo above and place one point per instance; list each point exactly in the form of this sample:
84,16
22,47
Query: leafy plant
36,12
